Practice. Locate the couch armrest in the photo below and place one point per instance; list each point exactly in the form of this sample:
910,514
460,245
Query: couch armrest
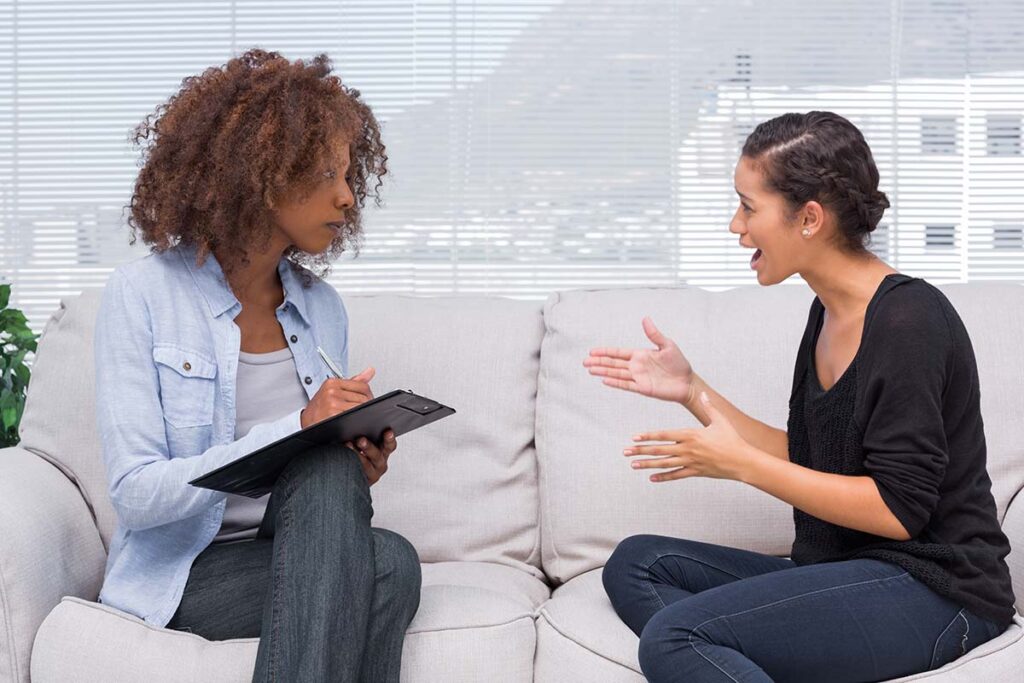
50,548
1013,527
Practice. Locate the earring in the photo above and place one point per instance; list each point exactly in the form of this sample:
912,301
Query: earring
806,232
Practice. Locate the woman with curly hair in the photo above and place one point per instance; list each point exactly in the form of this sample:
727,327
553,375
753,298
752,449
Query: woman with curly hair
899,562
253,179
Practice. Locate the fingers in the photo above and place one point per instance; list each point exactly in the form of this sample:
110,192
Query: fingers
374,453
368,469
605,362
621,384
660,463
352,397
621,354
681,473
335,386
651,450
676,435
654,334
612,372
364,376
388,443
372,475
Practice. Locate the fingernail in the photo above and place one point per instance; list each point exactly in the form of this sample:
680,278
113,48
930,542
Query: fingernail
638,437
627,451
634,465
704,396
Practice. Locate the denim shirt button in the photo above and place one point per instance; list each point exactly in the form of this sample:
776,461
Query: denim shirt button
294,338
308,380
187,366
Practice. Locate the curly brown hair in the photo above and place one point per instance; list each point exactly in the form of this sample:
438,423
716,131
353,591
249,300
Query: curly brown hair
241,137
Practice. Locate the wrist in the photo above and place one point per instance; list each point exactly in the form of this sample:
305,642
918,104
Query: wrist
696,386
755,467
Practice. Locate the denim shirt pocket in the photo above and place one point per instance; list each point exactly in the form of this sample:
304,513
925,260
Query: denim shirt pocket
187,385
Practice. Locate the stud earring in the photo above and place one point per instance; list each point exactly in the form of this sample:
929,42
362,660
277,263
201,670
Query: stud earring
806,232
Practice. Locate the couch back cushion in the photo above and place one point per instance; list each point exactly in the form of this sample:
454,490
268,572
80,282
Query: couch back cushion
464,488
743,342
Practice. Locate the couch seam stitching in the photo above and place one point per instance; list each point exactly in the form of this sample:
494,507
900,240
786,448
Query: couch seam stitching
564,634
546,523
525,617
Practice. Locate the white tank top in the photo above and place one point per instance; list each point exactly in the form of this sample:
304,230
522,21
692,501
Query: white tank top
267,388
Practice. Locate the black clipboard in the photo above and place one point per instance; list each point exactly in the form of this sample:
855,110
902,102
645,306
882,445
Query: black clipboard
254,474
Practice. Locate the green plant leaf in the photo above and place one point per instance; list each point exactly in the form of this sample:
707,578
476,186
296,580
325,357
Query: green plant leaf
19,328
8,409
16,341
23,374
10,317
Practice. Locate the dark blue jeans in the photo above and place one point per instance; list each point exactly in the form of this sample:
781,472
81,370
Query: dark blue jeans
710,613
329,597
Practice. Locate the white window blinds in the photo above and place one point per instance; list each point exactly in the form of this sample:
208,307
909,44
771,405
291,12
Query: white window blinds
535,145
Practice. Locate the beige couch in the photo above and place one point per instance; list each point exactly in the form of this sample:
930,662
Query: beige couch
514,504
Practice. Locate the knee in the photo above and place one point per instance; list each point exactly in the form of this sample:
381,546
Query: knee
666,640
332,470
397,566
620,572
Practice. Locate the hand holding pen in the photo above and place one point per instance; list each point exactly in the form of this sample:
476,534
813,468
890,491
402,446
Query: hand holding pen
336,395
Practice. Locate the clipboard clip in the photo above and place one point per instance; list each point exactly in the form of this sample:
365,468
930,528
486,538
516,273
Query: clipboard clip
420,406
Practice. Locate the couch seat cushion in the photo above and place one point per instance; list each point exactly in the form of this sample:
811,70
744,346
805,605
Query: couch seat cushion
580,638
475,622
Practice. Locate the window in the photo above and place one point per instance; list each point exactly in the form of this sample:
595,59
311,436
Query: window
1010,237
940,236
938,135
1003,135
534,146
879,242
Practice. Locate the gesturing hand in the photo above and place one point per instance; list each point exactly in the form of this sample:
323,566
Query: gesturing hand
661,373
716,451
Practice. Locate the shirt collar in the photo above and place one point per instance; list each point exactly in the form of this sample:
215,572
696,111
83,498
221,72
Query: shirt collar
214,287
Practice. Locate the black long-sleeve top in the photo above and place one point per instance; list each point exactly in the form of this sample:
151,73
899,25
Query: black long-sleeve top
906,412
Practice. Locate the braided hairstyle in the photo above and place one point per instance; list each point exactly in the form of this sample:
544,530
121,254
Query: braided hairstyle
821,156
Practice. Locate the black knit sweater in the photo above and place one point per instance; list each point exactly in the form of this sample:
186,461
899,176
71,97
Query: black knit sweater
906,413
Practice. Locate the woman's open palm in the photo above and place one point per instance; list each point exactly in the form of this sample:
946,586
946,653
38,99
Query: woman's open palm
662,372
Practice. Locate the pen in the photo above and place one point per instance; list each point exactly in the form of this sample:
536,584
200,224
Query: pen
330,363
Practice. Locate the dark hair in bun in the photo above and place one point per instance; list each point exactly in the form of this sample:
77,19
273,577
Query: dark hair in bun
823,157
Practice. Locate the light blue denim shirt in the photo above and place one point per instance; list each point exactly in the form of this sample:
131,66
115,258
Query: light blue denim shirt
166,353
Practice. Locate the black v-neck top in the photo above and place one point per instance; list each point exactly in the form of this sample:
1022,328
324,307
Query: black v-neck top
906,412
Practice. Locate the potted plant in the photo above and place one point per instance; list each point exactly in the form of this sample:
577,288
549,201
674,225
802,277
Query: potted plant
16,341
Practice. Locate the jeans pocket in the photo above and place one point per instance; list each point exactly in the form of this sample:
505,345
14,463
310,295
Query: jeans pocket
952,642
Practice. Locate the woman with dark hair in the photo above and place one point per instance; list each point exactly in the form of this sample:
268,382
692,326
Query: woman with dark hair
207,349
898,562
